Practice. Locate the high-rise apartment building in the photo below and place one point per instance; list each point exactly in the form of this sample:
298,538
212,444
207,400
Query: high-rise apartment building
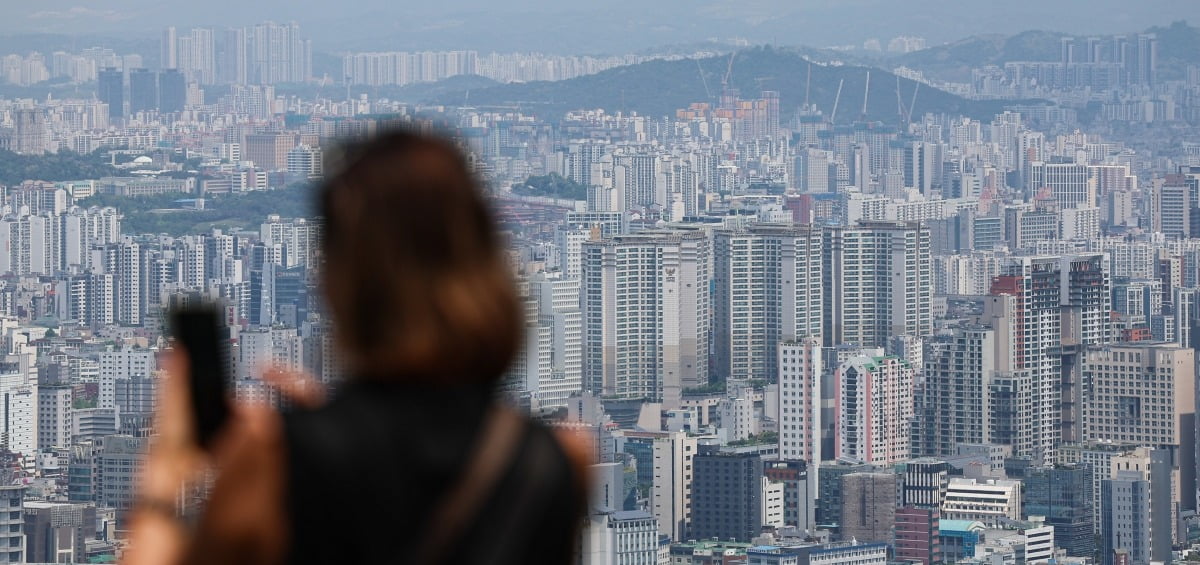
1061,303
276,53
550,366
878,283
1064,183
800,395
767,292
875,410
645,302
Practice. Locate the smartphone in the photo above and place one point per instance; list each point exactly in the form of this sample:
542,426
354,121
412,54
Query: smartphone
198,331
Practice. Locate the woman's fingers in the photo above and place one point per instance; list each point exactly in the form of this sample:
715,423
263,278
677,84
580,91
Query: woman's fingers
296,386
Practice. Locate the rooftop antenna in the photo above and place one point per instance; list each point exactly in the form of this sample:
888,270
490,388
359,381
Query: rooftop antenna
866,96
836,99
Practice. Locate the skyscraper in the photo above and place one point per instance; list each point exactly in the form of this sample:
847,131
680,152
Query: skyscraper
277,54
878,283
172,91
197,56
169,49
768,291
1060,301
143,91
646,309
231,56
110,89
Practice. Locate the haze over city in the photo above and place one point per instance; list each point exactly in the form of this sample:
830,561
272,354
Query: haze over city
854,282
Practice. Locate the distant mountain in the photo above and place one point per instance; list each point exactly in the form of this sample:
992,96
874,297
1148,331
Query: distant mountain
954,61
1178,46
658,88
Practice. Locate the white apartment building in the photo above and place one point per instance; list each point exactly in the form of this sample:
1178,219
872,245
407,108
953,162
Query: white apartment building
645,302
121,363
878,283
799,418
768,291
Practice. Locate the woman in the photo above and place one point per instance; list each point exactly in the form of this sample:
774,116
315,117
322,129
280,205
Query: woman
411,461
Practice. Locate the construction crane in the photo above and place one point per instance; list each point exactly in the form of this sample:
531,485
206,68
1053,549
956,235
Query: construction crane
837,98
707,93
807,85
866,96
913,104
899,104
728,71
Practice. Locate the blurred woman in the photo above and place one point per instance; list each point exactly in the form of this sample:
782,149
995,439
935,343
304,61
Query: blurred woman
412,460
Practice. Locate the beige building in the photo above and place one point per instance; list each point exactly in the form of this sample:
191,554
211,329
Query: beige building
1140,394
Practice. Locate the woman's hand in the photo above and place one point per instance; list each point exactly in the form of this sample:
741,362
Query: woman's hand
173,456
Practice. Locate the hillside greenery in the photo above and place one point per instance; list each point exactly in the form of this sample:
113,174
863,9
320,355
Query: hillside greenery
161,213
552,185
53,167
658,88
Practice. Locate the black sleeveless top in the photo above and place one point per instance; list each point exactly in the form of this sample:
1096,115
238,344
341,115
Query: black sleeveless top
367,470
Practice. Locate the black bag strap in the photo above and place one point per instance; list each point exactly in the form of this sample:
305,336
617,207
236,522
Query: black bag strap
500,436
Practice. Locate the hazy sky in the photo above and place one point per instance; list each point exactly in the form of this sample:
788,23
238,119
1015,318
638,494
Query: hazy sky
599,26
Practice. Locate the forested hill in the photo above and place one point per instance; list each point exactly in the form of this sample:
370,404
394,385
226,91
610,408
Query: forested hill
54,167
658,88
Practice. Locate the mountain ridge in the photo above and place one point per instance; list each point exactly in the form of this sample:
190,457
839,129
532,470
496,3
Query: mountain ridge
657,88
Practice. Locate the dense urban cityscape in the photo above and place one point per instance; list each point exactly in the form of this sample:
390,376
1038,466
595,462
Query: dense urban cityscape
895,301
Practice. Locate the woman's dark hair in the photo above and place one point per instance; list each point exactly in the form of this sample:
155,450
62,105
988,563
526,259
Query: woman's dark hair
415,275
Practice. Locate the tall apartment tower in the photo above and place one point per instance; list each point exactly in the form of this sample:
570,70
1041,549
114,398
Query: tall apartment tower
767,292
878,282
645,306
1062,303
550,367
875,407
799,418
169,49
